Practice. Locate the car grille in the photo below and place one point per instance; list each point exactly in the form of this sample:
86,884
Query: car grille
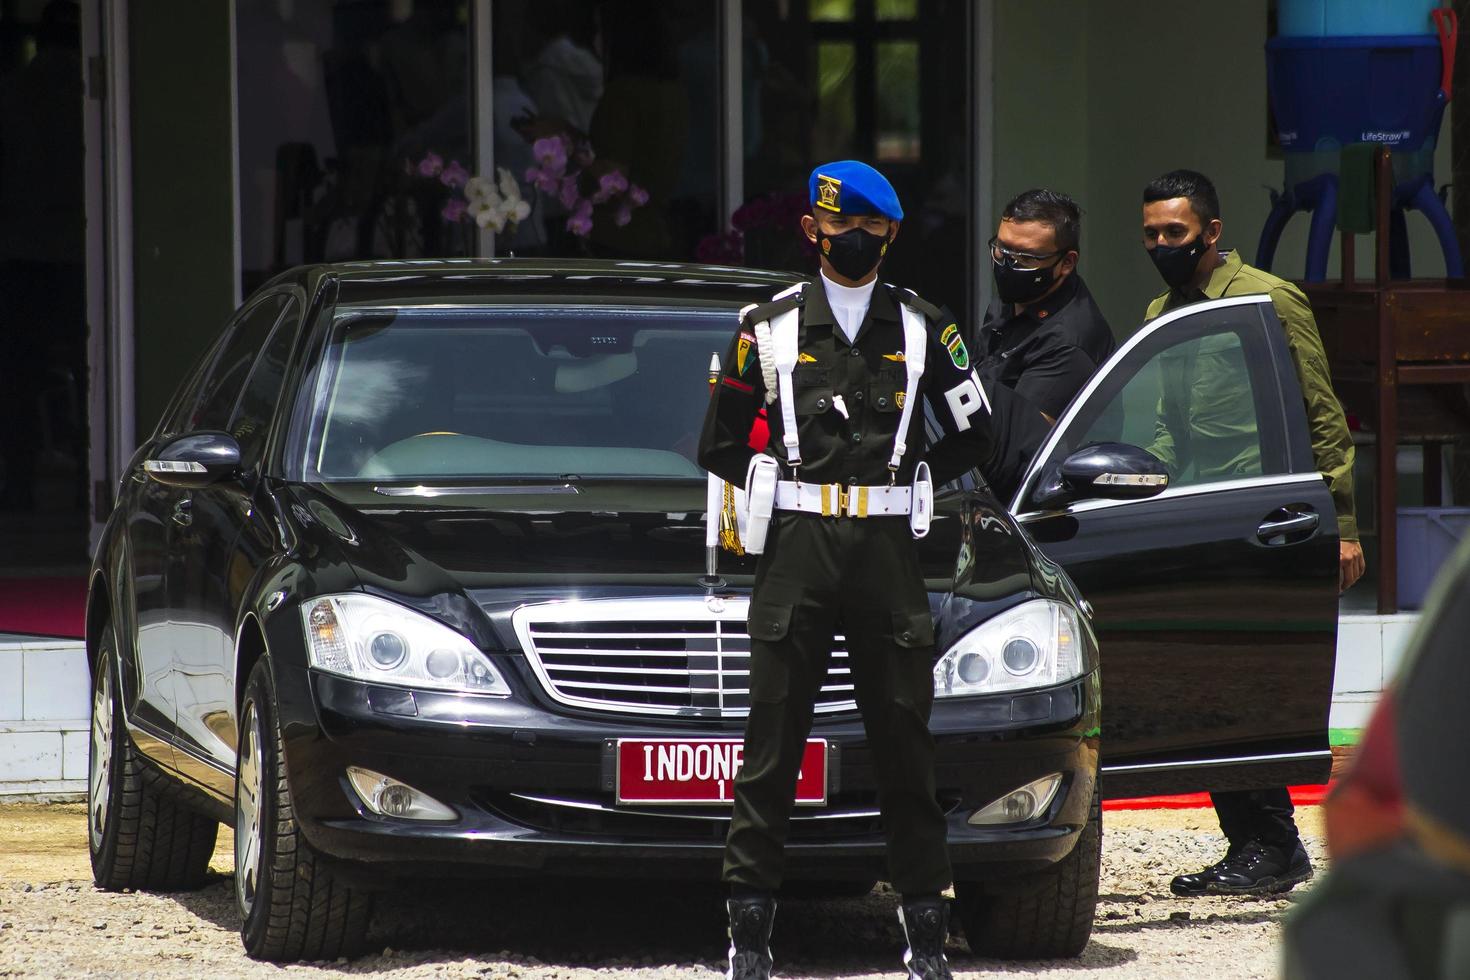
682,657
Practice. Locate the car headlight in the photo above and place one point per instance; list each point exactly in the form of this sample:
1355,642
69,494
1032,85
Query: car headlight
1036,644
372,639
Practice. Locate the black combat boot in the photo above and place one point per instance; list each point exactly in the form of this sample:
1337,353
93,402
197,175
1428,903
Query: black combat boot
751,918
925,924
1255,868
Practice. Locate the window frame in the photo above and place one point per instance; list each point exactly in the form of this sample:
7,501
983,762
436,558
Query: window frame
294,307
1263,348
231,331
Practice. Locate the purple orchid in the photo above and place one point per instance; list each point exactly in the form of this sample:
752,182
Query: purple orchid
454,175
623,216
637,196
580,221
431,165
551,153
454,209
567,193
609,184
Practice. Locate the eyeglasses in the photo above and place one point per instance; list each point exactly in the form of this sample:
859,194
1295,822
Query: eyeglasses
1017,260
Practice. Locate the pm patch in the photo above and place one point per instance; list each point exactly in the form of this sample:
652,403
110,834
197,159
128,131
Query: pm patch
742,354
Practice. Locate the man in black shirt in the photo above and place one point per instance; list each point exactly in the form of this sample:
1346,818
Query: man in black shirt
1042,335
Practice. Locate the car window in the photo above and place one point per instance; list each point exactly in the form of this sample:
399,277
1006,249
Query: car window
179,413
222,386
419,393
258,399
1197,394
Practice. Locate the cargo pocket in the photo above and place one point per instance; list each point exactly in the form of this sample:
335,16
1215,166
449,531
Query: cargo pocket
913,630
770,676
768,621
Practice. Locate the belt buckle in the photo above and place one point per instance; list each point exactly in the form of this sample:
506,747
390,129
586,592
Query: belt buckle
841,501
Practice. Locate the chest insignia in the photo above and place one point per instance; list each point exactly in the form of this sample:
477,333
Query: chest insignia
957,352
742,355
898,397
896,356
805,358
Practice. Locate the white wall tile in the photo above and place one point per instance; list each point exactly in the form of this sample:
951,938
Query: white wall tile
29,756
75,746
10,685
1359,657
1351,713
56,683
1395,641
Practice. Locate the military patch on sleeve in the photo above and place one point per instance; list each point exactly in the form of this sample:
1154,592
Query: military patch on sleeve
947,333
957,352
742,354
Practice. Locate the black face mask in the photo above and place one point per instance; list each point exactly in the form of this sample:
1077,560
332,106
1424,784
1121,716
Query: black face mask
853,253
1021,285
1177,263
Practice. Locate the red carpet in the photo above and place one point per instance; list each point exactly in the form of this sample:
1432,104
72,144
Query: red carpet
1300,795
44,606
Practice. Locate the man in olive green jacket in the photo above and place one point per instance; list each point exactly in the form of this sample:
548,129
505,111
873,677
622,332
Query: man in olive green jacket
1181,230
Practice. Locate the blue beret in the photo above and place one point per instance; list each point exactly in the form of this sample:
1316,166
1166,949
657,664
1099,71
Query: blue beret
853,187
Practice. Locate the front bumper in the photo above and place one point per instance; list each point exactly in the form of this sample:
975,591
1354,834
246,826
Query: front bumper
532,785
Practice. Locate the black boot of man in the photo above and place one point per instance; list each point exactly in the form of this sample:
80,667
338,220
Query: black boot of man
751,918
925,924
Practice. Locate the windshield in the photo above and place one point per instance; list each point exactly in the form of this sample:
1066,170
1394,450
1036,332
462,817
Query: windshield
448,393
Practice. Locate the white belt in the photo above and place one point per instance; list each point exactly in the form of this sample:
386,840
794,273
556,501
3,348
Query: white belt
836,500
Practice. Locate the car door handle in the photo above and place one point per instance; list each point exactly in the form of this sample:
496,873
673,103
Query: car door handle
183,514
1286,523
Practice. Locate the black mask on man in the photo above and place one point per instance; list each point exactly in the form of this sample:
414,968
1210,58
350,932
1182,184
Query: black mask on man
1021,285
854,253
1177,263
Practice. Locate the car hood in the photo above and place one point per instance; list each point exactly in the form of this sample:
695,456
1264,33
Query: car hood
456,552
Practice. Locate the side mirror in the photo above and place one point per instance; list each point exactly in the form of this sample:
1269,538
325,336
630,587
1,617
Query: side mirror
1105,470
196,460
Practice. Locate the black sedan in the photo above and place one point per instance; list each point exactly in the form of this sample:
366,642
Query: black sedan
410,580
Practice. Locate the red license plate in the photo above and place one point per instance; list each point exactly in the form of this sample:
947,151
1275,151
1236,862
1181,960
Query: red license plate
702,771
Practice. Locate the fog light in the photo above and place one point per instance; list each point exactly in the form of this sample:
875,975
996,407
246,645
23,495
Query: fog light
387,797
1019,805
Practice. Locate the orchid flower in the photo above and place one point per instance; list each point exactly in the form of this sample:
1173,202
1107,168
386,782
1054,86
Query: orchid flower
609,184
454,209
431,165
580,221
454,175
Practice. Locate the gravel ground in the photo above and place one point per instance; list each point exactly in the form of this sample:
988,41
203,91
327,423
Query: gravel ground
53,923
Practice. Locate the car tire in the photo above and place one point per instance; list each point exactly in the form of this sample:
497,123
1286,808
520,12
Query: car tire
139,834
291,904
1041,916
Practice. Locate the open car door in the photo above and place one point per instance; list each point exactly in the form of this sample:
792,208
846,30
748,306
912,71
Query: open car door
1215,601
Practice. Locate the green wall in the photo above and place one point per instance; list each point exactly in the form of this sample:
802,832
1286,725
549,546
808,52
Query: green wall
1097,98
183,195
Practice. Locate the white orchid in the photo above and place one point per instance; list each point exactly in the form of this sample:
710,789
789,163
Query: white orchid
495,205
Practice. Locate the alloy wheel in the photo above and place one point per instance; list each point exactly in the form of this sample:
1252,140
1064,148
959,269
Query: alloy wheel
248,836
99,783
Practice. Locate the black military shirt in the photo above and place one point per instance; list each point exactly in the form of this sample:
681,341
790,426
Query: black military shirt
1046,352
866,378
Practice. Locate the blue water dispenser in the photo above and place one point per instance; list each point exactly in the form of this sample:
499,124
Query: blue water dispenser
1341,72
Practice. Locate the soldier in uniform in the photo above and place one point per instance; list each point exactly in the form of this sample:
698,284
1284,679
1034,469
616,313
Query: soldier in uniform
842,362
